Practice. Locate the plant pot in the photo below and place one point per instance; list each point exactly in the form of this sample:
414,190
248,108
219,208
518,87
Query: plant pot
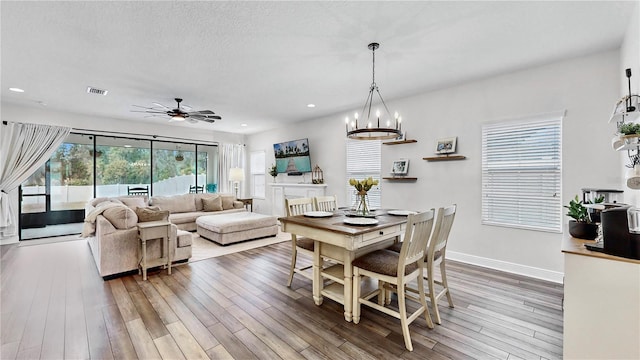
581,230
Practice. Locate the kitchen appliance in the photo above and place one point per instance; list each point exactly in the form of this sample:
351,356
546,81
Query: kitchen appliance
610,198
617,238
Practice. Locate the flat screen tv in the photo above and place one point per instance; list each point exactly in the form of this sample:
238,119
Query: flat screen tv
292,157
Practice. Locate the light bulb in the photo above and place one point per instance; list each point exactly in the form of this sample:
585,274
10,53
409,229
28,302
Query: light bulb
355,116
369,126
395,116
388,123
377,113
346,120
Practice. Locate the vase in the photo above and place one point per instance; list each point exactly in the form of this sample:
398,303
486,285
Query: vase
363,204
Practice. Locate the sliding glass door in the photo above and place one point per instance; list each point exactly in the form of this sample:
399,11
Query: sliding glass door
87,166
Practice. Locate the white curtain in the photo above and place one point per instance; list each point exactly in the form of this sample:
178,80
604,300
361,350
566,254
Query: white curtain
231,156
23,149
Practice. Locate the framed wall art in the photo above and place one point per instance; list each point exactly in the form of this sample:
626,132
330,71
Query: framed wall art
446,145
400,167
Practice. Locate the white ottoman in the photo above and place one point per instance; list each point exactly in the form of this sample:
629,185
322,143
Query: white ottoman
230,228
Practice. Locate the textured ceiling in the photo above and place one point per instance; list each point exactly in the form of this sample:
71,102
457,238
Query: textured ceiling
260,63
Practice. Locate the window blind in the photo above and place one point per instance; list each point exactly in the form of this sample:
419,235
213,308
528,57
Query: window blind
363,160
257,170
522,173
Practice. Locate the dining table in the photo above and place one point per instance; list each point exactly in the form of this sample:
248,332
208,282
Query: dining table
342,237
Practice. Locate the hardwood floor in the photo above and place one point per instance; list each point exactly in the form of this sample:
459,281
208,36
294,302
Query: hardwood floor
54,306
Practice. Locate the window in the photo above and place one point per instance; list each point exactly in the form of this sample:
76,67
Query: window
258,170
363,160
521,173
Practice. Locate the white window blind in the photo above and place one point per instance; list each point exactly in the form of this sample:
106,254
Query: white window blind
257,170
363,160
521,173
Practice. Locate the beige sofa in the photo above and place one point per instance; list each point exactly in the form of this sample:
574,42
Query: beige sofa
185,209
114,242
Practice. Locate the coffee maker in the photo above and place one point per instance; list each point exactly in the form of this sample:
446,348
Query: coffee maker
621,231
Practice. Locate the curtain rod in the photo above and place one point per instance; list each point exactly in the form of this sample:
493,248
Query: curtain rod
124,134
145,136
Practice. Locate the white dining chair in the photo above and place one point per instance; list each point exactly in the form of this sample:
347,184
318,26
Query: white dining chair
394,271
298,206
326,203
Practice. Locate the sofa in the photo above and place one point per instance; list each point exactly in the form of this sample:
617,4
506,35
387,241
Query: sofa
112,232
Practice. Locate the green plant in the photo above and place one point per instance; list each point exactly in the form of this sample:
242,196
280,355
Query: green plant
629,129
273,170
578,211
597,200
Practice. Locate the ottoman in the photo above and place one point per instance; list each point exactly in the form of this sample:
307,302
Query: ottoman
231,228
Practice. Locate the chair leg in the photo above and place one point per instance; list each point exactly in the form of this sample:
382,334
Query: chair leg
402,307
294,255
356,296
444,283
423,302
382,293
432,295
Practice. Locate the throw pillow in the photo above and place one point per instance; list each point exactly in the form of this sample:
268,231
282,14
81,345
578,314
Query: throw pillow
133,202
227,201
121,217
212,203
151,214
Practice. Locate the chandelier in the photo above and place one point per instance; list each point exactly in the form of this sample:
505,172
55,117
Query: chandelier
369,128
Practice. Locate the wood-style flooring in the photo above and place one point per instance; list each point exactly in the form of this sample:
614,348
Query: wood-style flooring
55,306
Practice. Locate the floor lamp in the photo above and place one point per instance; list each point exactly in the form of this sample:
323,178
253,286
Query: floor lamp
236,175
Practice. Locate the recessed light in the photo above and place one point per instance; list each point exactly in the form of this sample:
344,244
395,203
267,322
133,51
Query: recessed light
16,90
243,125
311,105
127,146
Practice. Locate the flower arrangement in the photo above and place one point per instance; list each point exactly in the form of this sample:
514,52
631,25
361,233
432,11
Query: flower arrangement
273,170
362,186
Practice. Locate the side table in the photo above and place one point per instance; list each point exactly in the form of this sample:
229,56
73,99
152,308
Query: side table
247,202
154,230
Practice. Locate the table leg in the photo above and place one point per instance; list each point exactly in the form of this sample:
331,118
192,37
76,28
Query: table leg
348,285
144,259
317,278
168,249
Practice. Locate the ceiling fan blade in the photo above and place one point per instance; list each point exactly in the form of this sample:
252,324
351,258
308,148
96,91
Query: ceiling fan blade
206,117
162,106
150,111
202,112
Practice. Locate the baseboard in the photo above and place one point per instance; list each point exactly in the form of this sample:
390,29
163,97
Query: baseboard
9,240
530,271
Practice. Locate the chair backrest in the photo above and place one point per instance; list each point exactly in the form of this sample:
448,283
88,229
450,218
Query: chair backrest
441,230
138,190
326,203
416,237
298,206
196,189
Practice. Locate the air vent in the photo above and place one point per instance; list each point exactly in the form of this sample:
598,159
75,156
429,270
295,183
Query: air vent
92,90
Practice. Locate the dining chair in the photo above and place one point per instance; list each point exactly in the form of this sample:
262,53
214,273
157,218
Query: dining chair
394,271
298,206
435,255
138,190
326,203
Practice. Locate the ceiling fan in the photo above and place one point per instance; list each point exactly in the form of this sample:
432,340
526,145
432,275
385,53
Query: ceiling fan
179,113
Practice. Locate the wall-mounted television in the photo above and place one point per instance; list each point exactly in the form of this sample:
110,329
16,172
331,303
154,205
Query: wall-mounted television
292,157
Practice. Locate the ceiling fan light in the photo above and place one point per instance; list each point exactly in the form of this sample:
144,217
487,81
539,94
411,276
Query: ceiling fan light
177,117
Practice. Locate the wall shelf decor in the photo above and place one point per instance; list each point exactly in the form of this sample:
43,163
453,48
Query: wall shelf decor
398,142
445,158
400,178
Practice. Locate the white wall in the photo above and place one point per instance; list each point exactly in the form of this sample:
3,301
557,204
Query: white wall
585,87
16,113
630,59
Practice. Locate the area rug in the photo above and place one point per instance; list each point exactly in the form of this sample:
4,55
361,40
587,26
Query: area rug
203,249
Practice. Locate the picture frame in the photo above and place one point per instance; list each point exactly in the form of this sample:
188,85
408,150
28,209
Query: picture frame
400,167
446,145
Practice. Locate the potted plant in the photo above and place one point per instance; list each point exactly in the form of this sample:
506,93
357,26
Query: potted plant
273,171
581,227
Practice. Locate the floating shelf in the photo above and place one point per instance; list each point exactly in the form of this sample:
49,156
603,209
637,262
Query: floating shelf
399,142
403,178
445,158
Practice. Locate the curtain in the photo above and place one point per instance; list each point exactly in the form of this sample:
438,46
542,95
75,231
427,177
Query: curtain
23,149
231,156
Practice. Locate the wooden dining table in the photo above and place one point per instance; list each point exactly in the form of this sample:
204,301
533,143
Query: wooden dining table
343,242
